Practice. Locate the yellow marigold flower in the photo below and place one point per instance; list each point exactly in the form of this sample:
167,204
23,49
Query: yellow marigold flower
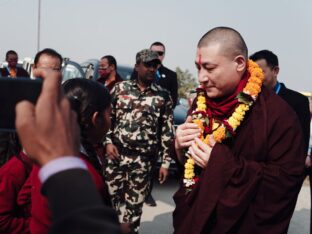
233,122
245,107
191,161
237,116
189,166
219,134
201,107
240,110
188,173
201,99
215,125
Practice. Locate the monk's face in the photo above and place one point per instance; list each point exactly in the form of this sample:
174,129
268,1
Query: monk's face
218,73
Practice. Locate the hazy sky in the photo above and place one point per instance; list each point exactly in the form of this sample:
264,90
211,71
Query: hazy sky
83,29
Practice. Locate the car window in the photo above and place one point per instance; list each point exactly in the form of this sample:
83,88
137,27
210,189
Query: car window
71,71
125,72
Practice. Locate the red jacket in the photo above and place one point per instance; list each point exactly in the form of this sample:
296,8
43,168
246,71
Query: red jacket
41,214
15,195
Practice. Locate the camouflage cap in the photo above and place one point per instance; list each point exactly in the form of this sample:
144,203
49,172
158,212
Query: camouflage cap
146,55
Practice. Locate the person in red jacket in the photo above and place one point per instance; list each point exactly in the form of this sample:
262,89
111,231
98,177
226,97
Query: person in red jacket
15,195
91,101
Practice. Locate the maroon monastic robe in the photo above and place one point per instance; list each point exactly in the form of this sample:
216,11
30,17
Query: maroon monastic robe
251,182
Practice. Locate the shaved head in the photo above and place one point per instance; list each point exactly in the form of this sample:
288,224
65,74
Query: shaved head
231,42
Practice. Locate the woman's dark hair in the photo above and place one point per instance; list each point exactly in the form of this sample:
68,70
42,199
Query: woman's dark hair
87,97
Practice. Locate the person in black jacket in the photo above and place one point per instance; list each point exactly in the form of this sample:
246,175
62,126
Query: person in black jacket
268,62
49,132
12,70
165,77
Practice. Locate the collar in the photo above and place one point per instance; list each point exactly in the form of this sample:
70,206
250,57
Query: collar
153,86
8,68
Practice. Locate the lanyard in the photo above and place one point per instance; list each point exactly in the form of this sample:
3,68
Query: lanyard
277,87
158,74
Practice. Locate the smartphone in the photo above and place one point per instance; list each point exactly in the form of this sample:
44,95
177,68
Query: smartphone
12,91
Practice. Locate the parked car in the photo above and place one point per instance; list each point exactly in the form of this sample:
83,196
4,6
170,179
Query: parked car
71,69
91,67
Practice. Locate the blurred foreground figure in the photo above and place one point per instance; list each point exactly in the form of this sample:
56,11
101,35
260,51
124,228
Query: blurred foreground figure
49,133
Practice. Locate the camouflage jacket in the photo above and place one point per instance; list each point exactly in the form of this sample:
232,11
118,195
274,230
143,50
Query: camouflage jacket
142,121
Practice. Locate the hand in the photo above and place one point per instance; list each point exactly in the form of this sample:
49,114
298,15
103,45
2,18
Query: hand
200,152
308,162
49,129
112,152
186,134
163,174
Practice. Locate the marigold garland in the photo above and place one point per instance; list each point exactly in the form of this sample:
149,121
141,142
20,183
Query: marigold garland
220,132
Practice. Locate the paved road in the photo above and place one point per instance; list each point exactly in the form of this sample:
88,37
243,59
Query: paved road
158,220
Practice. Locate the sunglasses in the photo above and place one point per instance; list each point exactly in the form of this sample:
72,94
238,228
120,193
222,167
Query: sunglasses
153,64
160,53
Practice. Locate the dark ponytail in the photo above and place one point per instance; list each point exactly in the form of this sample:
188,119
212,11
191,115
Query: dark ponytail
86,98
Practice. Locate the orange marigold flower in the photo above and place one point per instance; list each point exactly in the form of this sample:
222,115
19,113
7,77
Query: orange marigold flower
219,134
199,123
206,140
257,72
255,80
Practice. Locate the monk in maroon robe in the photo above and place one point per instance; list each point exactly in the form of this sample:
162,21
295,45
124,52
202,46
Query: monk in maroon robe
248,183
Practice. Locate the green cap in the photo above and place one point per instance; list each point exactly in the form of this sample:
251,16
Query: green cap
146,55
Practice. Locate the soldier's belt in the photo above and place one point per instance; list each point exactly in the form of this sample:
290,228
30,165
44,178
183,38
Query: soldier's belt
134,153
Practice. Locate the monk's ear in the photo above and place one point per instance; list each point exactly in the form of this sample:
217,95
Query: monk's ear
240,63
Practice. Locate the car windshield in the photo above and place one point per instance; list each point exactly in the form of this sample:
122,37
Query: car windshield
71,71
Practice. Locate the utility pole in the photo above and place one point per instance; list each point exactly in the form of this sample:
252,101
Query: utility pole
39,21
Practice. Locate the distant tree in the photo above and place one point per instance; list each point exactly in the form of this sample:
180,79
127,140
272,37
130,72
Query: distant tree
187,82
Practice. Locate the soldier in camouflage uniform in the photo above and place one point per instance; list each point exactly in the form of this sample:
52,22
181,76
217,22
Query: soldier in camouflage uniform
142,129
